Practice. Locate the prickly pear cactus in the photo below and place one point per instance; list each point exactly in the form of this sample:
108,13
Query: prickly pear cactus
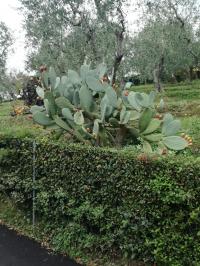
90,109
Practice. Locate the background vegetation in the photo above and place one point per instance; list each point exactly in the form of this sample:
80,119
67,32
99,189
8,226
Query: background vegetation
106,206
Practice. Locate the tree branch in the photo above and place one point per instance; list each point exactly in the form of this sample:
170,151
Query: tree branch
187,39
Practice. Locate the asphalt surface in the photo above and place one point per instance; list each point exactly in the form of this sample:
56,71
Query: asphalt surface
16,250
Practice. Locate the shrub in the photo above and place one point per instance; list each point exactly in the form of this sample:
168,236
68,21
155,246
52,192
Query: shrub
30,96
111,202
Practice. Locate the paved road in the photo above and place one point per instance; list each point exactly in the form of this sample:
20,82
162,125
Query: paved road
20,251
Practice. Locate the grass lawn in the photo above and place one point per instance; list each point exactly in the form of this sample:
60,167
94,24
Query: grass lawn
182,100
18,125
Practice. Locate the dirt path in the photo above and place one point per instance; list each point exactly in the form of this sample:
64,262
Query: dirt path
17,250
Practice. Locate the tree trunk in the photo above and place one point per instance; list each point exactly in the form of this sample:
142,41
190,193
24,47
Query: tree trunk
198,74
157,74
190,72
119,33
121,133
174,79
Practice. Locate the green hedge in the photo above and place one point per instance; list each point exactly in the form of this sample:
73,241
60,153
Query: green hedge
107,202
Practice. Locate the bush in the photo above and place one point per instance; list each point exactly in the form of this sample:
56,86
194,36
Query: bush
109,202
30,96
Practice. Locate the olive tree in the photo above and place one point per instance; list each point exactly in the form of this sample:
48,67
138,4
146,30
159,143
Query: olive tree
185,15
5,43
69,32
158,52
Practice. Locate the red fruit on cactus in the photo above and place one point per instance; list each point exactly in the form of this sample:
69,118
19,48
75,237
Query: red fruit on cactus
105,79
126,93
43,68
164,152
158,116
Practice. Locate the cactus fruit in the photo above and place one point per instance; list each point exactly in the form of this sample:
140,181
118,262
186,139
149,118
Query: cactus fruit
187,138
126,93
43,68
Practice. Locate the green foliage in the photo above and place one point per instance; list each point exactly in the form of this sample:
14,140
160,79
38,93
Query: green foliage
18,126
68,43
5,43
160,39
109,202
92,110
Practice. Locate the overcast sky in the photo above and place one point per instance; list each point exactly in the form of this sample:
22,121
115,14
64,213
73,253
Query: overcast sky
11,16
